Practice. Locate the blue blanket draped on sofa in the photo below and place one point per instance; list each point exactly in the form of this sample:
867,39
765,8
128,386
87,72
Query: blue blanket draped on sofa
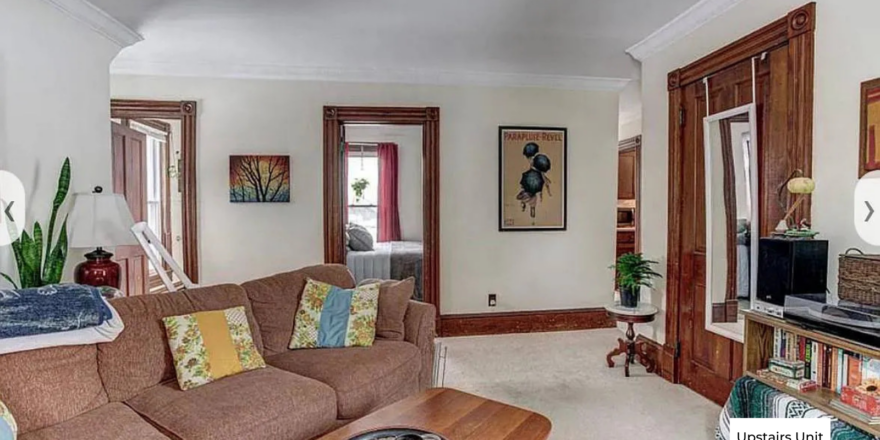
50,309
751,399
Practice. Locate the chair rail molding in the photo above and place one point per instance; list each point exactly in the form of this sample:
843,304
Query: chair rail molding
123,66
683,25
98,20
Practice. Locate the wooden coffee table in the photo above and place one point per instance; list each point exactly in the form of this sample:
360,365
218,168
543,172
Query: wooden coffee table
453,414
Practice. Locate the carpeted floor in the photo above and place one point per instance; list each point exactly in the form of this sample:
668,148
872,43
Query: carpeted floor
564,376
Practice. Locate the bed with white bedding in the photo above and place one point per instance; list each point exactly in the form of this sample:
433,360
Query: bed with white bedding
395,260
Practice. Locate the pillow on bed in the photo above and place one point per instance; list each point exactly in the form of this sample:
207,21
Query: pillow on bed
394,299
359,238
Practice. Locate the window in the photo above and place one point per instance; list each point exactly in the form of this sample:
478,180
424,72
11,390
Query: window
154,184
363,174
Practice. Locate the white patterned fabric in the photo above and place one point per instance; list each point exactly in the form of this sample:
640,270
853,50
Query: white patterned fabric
8,428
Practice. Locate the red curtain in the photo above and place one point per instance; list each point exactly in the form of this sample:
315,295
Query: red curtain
389,212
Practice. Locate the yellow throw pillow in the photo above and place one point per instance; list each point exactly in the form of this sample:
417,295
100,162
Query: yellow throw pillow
207,346
330,316
8,428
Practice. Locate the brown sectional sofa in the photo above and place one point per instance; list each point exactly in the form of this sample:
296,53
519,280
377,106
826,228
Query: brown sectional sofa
127,389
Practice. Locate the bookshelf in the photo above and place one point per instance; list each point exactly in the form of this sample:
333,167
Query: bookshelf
758,349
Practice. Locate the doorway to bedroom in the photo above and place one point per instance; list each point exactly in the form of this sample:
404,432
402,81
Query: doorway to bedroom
383,165
381,194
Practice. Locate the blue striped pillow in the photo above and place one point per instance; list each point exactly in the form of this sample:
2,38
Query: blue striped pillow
330,316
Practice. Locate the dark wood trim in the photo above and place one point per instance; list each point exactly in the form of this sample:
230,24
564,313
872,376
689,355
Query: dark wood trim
653,351
867,87
524,322
662,356
796,31
186,112
801,21
154,124
633,142
676,198
334,187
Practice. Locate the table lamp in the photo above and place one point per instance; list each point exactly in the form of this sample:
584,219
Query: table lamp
801,187
100,220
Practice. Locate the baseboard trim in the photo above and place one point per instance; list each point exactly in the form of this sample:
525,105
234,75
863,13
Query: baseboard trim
475,324
661,357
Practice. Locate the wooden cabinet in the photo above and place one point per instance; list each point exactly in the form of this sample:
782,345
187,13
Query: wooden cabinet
626,242
627,170
629,158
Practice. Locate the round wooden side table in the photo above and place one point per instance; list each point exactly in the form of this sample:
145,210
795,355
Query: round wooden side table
638,315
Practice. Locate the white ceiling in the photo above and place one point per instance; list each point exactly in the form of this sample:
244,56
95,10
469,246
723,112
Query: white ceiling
576,38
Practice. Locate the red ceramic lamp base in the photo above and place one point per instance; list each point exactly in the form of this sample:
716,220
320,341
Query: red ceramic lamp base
98,270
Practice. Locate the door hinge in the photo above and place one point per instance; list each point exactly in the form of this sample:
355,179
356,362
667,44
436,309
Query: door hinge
681,116
677,353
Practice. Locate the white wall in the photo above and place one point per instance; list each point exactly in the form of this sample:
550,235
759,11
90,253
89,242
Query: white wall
54,103
630,111
409,151
529,271
845,56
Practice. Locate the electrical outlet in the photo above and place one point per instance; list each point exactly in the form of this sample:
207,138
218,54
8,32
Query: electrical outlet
493,300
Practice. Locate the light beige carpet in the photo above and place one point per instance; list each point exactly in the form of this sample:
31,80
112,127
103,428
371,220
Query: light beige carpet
564,376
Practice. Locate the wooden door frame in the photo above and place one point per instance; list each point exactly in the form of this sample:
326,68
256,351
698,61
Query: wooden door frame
334,188
796,30
186,113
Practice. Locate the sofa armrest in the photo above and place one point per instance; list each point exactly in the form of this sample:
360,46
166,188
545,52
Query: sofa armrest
420,329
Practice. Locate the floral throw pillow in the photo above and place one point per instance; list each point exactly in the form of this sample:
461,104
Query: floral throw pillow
330,316
207,346
8,428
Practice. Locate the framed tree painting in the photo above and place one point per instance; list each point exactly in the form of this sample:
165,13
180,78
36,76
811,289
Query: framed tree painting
532,178
869,155
259,179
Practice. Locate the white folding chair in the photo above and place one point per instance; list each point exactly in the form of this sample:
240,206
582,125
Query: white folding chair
156,253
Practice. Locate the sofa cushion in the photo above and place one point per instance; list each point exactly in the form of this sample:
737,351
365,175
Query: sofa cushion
207,346
259,404
49,386
140,358
364,378
275,300
113,421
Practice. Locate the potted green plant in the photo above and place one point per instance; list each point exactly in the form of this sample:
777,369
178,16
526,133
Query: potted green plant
359,185
633,271
37,266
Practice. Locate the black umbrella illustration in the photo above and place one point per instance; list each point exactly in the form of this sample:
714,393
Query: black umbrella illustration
534,180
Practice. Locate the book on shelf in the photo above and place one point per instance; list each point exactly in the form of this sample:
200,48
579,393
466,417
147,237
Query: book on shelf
830,367
854,412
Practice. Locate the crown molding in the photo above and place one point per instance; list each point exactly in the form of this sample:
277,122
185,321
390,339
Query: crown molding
683,25
98,20
361,75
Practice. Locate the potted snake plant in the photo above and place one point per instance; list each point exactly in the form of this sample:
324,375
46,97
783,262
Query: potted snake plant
633,271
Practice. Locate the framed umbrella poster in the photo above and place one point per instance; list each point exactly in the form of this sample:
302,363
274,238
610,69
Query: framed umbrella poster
532,178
